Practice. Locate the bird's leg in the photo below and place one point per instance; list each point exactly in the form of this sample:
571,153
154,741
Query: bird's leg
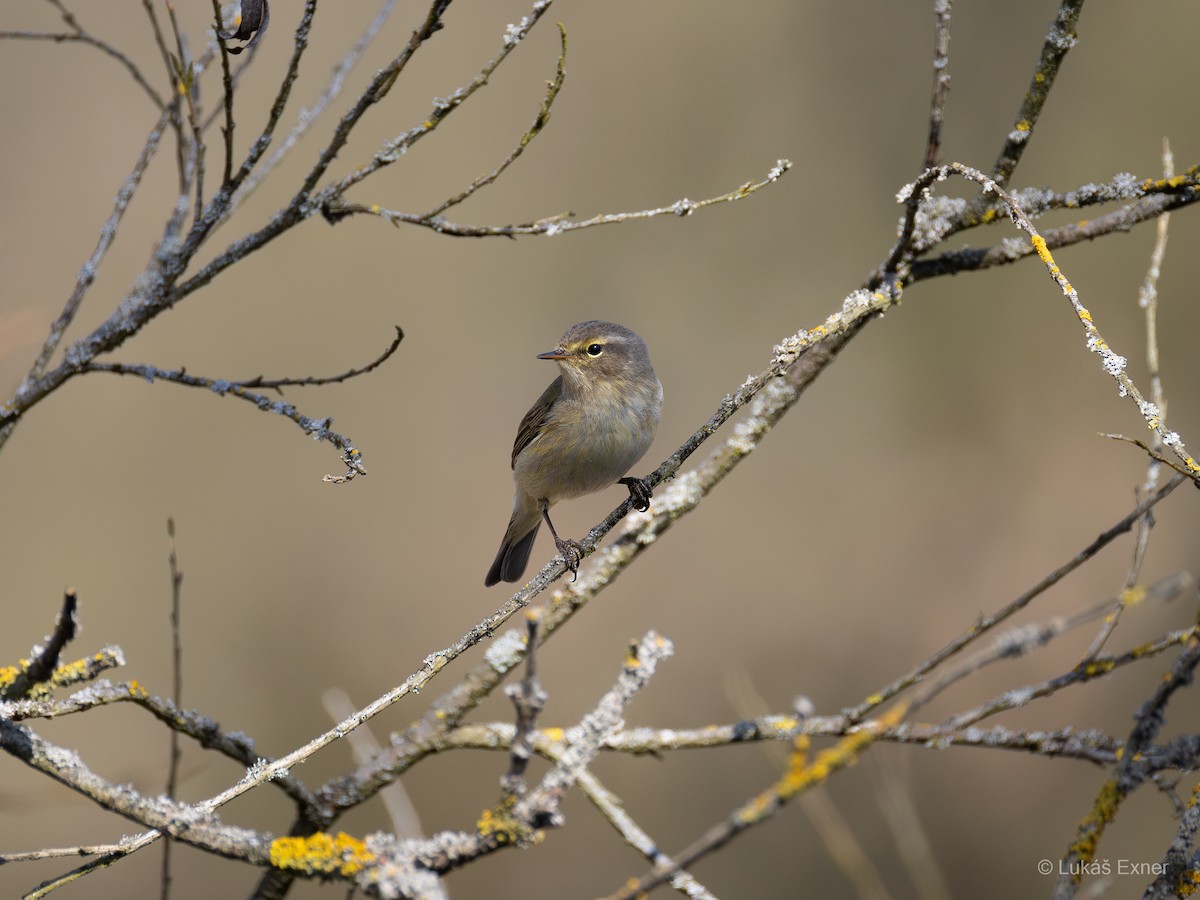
571,552
639,492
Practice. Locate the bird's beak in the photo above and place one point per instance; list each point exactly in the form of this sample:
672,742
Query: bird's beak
557,353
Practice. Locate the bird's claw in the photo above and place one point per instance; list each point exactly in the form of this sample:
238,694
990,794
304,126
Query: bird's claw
572,555
639,492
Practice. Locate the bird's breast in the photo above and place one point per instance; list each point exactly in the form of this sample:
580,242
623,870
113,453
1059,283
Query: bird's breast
588,442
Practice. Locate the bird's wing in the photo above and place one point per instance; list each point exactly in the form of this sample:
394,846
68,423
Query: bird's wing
531,426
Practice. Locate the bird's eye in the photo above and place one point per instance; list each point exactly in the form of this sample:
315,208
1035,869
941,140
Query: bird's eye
594,350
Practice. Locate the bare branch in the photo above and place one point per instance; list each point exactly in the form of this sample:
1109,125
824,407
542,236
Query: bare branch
442,107
552,88
1061,38
987,623
276,383
941,79
87,274
84,38
554,225
310,115
227,85
319,429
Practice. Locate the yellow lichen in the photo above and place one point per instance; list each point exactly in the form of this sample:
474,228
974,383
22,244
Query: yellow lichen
502,827
321,854
1039,245
1104,809
1132,596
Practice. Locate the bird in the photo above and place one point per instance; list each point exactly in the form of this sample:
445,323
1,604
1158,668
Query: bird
584,433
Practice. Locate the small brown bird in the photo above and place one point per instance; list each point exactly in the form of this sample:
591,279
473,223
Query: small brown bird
589,427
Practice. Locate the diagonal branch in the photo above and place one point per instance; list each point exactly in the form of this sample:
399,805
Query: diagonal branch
87,274
310,115
1061,38
552,88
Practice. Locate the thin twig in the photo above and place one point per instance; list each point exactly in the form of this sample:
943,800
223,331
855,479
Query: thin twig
1061,38
941,79
222,204
987,623
376,91
319,429
276,383
82,37
552,88
1089,670
227,89
614,812
1112,363
108,233
310,115
442,106
1129,774
176,694
799,777
559,224
1148,300
185,80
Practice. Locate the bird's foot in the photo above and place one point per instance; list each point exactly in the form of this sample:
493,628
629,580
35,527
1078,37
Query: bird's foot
572,554
639,492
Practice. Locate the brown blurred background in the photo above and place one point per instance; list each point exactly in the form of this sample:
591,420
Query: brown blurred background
949,460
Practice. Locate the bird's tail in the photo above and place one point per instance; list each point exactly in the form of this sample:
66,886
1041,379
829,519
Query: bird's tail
513,555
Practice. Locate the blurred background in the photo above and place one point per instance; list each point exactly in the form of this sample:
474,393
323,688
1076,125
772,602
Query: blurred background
948,460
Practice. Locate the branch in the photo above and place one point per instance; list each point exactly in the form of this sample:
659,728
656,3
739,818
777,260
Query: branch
985,624
442,106
1061,38
1129,774
260,382
309,116
1112,363
87,274
26,677
800,777
192,824
941,80
552,88
78,35
554,225
227,81
381,864
319,429
1154,204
